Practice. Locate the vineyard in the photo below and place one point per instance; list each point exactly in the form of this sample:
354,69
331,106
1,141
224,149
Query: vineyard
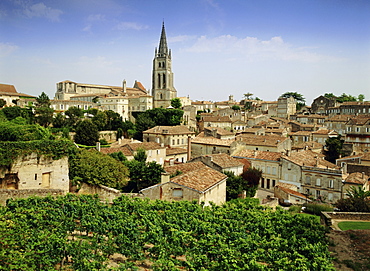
81,233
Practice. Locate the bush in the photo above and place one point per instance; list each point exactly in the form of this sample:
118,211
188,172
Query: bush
317,208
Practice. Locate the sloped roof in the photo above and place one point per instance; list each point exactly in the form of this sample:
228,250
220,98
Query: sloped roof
219,130
224,160
144,145
216,119
186,167
263,155
260,140
309,145
172,130
200,179
4,88
210,140
357,178
292,192
310,159
172,151
324,132
124,149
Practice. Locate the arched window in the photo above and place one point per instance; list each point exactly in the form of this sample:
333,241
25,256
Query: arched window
160,96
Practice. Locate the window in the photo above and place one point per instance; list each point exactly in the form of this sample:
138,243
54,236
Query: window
357,129
318,182
268,170
177,192
331,183
274,171
178,141
330,196
308,179
317,193
173,141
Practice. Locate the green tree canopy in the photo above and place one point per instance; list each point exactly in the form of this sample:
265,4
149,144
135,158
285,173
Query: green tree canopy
73,115
299,97
346,98
252,177
235,107
86,133
93,167
333,148
176,103
2,103
11,131
43,111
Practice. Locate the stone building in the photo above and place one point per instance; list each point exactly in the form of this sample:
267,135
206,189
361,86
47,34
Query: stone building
321,104
193,181
286,107
169,136
10,95
163,89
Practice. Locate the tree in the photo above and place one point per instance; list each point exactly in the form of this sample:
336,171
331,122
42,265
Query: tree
346,98
140,155
176,103
73,115
248,95
100,120
235,107
234,185
86,133
361,97
43,111
252,176
93,167
59,120
357,201
2,103
119,156
329,95
333,148
297,96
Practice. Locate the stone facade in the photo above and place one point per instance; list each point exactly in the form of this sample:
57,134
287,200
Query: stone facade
33,172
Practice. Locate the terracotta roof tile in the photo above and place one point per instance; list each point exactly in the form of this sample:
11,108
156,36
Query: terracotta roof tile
259,140
292,192
263,155
224,160
4,88
357,178
172,151
209,140
172,130
200,179
310,159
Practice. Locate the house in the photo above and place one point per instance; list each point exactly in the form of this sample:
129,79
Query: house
312,175
170,136
205,106
356,179
322,135
155,152
358,133
268,162
221,162
350,108
215,121
288,194
177,154
203,145
338,123
286,107
238,125
266,142
190,181
10,95
35,172
300,137
219,133
309,145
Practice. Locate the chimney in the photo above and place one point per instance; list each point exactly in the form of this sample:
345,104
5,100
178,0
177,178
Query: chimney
98,146
189,149
363,175
165,177
124,88
172,162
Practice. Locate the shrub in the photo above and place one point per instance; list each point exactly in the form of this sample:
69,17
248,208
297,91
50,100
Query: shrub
317,208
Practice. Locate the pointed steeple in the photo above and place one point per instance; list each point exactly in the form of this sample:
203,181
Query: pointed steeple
163,49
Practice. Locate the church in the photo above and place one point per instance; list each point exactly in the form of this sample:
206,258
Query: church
125,100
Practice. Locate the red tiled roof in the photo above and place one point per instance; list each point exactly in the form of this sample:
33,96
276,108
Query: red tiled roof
200,179
172,151
263,155
357,178
4,88
174,130
224,160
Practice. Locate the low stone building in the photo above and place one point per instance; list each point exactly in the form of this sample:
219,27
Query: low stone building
33,172
192,182
221,162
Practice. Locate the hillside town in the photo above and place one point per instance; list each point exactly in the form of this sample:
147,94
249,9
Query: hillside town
303,152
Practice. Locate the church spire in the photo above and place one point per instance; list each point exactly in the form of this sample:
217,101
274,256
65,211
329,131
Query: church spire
163,49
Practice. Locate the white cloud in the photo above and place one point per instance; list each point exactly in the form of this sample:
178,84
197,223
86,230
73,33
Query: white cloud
254,49
131,25
7,49
91,19
41,10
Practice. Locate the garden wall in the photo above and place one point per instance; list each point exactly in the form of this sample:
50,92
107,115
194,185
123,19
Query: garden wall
6,194
327,217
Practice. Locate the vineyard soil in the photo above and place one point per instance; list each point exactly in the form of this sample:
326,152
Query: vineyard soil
350,249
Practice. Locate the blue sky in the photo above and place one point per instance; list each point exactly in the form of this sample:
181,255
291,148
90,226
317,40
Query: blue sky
219,48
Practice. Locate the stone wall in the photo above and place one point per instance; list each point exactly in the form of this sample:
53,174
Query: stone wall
6,194
105,194
358,168
327,217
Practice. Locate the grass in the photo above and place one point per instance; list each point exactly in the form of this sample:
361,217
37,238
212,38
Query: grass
354,225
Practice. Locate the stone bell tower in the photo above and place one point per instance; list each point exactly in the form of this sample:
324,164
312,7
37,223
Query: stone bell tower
162,79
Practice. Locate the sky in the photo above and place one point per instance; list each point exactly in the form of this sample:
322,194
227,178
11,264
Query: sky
219,48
